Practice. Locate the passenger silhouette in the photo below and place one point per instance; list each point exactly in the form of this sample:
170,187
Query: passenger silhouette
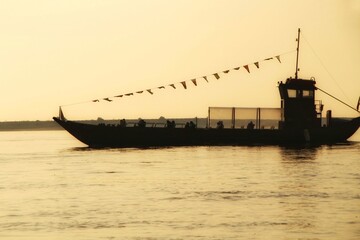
250,125
220,125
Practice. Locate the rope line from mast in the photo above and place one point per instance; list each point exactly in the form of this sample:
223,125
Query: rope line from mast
323,65
357,110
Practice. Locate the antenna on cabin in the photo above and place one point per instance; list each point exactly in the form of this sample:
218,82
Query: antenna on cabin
297,54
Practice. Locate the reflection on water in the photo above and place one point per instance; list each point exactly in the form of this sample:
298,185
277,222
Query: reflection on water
318,181
300,170
51,190
301,154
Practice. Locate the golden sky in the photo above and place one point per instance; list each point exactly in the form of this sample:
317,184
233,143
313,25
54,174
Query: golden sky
61,52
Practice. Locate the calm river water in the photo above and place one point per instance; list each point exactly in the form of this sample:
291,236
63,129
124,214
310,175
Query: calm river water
52,187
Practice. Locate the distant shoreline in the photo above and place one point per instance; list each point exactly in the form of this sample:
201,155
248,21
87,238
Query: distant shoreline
29,126
52,125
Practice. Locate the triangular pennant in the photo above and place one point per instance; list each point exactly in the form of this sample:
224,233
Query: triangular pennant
358,104
149,91
162,87
140,92
173,86
119,96
205,77
184,84
278,58
216,75
237,68
226,71
247,68
256,64
107,99
129,94
194,81
96,100
266,59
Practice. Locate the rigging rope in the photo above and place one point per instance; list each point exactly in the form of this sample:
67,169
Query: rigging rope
323,65
338,100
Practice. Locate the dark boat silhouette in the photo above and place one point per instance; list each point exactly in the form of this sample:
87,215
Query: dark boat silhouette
297,121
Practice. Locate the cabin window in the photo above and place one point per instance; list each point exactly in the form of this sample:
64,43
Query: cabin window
291,93
308,93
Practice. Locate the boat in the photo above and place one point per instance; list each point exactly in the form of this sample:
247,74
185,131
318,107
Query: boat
299,120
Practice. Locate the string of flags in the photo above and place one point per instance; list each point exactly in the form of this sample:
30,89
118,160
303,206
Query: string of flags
185,84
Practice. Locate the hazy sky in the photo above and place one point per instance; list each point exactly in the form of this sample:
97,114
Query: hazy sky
59,52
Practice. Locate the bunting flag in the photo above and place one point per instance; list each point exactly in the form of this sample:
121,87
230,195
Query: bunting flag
247,68
184,84
216,75
278,58
358,104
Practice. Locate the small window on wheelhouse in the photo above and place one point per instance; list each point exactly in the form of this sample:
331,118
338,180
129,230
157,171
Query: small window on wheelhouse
291,93
308,93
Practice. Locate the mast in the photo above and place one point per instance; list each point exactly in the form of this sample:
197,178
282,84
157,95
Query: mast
297,54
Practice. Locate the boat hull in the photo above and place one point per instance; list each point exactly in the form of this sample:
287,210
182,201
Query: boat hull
116,136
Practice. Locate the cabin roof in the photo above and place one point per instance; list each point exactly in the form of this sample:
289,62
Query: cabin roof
300,83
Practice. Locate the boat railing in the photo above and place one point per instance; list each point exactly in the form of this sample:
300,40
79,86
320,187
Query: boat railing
244,118
150,124
159,125
318,107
